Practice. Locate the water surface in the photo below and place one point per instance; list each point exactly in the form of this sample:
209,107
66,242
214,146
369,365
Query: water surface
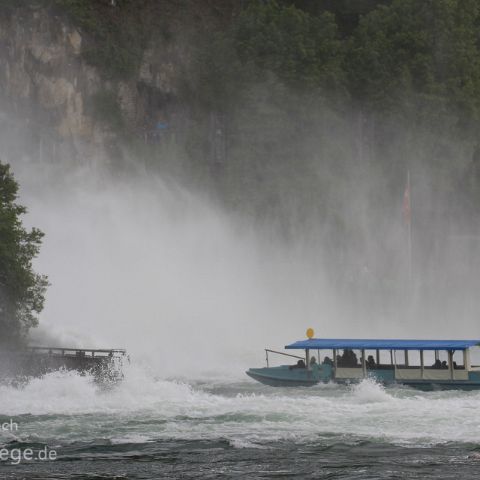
149,428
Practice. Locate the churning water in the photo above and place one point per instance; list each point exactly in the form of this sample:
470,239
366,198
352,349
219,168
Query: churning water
148,427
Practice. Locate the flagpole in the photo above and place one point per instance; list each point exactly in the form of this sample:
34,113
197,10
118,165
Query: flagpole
410,260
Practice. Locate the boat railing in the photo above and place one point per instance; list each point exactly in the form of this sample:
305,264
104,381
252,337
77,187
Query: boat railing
267,351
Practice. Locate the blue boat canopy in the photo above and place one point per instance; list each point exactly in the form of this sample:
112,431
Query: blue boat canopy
337,343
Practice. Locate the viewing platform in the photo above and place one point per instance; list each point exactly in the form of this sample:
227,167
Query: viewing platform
35,361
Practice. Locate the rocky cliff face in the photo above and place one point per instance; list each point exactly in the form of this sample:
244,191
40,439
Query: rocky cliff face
44,82
47,86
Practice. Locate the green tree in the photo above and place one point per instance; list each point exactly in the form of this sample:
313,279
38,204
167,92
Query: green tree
21,289
301,49
419,56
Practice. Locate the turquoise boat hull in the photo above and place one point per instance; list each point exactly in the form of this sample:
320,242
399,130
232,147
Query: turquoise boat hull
286,376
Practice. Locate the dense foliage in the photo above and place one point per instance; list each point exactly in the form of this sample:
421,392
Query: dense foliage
21,289
306,99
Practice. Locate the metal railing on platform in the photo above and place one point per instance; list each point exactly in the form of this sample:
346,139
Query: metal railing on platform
78,352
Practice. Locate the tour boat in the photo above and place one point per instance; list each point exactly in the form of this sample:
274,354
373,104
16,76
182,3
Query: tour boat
424,364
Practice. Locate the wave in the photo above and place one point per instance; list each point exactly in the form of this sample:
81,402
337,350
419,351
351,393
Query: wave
69,407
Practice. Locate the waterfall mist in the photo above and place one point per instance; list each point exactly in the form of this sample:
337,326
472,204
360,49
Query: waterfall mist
147,262
143,263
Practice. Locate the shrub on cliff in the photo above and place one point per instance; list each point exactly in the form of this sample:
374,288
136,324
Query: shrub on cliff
21,289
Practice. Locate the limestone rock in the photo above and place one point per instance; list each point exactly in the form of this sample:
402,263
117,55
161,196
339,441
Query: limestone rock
75,40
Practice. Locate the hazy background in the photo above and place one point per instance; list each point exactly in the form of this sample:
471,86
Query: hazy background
236,173
145,263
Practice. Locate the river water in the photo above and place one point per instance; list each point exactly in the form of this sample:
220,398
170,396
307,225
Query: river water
148,427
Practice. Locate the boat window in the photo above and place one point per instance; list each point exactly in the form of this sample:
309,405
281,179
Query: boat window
458,363
435,359
371,359
443,358
399,358
325,356
385,358
350,358
475,356
428,358
414,359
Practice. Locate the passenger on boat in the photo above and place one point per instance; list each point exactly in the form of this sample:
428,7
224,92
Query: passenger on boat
444,364
370,362
348,359
300,364
328,361
313,361
437,364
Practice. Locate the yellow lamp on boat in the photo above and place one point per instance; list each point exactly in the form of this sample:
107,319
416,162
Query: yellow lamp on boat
310,333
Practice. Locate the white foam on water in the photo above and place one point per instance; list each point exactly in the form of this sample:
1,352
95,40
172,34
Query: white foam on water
133,438
370,391
65,405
